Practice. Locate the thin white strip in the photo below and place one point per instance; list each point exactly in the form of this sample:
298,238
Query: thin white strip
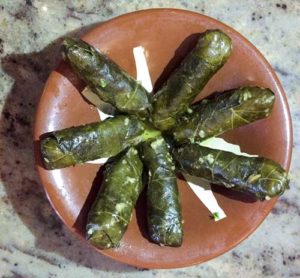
98,161
102,115
203,191
93,98
221,144
142,70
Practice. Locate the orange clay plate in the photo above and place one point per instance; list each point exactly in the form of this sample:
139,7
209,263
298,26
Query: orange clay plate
167,35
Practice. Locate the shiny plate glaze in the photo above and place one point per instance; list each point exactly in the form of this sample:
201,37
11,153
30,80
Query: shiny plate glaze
167,36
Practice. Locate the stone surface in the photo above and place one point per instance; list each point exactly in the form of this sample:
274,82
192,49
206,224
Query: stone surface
33,241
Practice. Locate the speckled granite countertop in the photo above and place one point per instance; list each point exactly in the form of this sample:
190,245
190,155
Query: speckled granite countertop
33,241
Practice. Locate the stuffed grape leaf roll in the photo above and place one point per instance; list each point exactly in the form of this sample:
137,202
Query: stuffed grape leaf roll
106,79
112,210
185,83
256,175
163,205
79,144
222,112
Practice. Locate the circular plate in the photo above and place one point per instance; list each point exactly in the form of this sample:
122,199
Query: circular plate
167,35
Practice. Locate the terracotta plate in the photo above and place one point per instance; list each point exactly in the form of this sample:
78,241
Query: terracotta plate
167,35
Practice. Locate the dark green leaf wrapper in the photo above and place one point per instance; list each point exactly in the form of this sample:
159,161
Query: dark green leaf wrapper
256,175
112,210
106,79
163,205
185,83
222,112
74,145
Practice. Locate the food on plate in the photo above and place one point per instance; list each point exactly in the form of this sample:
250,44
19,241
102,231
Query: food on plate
106,79
222,112
112,209
163,205
134,138
259,176
79,144
185,83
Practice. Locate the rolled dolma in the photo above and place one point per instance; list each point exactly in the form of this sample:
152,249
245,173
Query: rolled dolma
222,112
112,210
92,141
256,175
106,79
185,83
163,206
